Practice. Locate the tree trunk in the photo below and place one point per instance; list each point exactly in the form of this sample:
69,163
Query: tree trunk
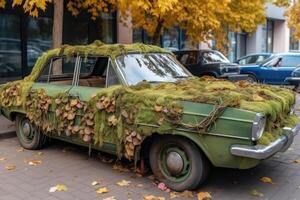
155,39
57,33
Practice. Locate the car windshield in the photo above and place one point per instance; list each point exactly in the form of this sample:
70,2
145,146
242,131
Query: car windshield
214,57
153,67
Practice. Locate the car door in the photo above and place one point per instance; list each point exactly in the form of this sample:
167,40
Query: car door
96,74
277,73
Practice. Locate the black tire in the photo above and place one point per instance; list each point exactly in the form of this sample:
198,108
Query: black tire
251,78
198,167
33,140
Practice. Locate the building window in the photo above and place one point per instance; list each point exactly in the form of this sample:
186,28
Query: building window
294,44
173,39
82,30
232,53
39,38
10,48
267,36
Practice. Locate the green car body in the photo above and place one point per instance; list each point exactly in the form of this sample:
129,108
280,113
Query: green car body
231,140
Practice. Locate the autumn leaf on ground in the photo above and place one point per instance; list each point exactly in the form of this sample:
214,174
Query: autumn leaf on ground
58,188
186,194
123,183
296,161
120,168
102,190
34,162
256,193
10,167
40,153
152,197
20,149
110,198
173,195
94,183
2,158
265,179
204,196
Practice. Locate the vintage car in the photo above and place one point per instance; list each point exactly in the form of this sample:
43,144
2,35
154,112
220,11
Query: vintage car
137,101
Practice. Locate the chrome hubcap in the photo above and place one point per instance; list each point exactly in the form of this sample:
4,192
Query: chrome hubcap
175,163
26,129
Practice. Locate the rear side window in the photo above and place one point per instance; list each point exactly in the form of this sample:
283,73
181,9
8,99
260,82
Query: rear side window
290,61
57,69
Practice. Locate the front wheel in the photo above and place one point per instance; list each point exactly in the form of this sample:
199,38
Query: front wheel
251,78
30,137
178,163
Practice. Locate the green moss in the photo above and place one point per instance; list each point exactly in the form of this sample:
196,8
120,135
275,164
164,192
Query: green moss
157,105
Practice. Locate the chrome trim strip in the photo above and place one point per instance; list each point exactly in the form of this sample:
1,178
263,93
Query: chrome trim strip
228,118
209,133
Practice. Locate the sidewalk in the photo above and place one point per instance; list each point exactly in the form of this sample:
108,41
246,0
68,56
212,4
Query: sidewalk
7,128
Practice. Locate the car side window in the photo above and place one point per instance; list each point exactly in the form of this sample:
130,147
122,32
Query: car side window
189,58
112,77
290,61
58,70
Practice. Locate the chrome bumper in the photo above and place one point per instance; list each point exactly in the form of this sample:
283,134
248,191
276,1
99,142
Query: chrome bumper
261,151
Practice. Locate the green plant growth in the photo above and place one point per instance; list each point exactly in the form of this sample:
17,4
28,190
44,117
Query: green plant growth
118,109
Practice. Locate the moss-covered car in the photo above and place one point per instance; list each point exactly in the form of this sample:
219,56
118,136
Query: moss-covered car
138,102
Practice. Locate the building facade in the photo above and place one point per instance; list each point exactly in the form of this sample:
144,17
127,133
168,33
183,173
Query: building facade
23,38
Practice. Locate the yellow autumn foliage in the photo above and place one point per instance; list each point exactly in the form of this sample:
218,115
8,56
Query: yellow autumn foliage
202,20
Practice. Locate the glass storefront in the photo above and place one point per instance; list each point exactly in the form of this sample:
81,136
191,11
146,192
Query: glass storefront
173,38
23,39
10,48
294,44
39,38
267,36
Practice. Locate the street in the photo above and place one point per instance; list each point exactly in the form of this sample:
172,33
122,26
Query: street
28,174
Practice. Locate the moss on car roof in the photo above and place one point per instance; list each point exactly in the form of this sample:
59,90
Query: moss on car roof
96,48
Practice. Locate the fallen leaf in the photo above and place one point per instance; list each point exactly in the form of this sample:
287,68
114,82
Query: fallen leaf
265,179
152,197
58,188
94,183
140,185
187,194
256,193
20,149
40,153
204,196
110,198
173,195
10,167
34,162
162,186
296,161
256,97
123,183
2,158
102,190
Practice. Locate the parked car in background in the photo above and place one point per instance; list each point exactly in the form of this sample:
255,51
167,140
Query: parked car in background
273,70
255,58
210,63
294,79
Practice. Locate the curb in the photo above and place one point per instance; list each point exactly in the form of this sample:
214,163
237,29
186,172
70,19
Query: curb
8,134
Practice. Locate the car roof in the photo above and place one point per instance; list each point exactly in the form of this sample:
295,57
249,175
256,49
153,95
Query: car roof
98,48
195,50
288,54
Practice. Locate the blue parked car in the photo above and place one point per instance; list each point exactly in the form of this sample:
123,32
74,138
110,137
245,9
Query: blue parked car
273,70
255,58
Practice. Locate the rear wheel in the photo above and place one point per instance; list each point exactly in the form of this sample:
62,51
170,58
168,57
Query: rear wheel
178,163
30,137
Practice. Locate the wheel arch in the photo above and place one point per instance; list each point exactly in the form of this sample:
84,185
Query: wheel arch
145,145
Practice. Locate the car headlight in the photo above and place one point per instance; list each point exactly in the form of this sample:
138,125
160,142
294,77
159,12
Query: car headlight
258,126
